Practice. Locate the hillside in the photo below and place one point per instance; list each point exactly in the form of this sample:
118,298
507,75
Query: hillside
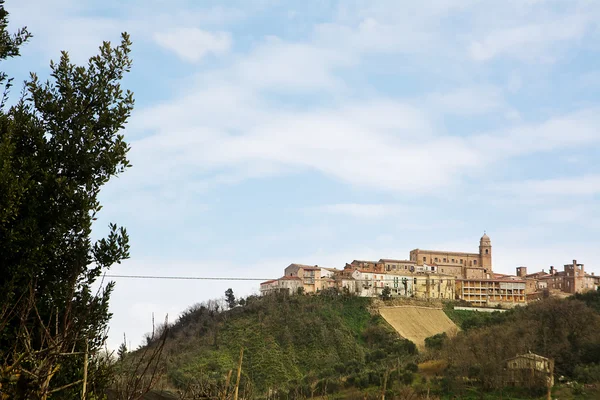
335,345
417,323
301,345
564,330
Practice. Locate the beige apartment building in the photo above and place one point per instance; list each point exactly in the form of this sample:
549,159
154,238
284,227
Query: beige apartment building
491,292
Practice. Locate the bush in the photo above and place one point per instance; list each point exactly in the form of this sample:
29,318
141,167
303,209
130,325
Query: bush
436,342
412,367
587,373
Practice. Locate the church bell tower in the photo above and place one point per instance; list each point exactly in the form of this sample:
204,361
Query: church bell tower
485,252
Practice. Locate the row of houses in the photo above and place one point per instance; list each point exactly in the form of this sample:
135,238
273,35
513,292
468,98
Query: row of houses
422,283
572,279
427,282
436,274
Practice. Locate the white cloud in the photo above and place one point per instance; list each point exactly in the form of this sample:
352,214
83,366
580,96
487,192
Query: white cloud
382,143
369,211
192,44
561,131
562,215
468,101
529,41
587,185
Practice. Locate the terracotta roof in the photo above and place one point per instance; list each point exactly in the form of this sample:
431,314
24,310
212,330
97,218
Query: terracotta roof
287,278
531,356
303,265
541,273
455,253
397,261
492,280
561,273
447,264
267,282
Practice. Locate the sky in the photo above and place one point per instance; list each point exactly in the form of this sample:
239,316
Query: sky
268,132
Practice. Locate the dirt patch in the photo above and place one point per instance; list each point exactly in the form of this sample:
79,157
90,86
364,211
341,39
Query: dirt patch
417,323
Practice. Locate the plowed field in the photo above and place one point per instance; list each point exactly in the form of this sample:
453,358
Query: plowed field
417,323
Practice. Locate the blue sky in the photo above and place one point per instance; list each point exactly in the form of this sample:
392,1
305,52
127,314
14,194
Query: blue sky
269,132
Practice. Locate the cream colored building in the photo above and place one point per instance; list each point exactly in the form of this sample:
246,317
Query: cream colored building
314,277
529,370
434,286
368,284
289,284
400,284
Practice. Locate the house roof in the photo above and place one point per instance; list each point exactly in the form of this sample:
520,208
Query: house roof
536,274
531,356
383,260
549,276
454,253
493,280
303,266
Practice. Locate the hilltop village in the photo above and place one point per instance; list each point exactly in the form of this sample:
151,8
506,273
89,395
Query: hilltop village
436,274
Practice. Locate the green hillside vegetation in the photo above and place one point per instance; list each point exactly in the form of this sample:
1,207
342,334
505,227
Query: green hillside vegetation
338,346
295,346
468,320
567,331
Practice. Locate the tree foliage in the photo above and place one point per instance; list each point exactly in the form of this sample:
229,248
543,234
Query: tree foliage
230,298
59,144
293,345
386,293
563,330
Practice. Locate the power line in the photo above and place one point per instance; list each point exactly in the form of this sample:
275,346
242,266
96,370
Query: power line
231,278
198,278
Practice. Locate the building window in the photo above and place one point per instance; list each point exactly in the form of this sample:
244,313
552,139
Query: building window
436,259
424,258
474,262
461,261
453,260
444,260
487,251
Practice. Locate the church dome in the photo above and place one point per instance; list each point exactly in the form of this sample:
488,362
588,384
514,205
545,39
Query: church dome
485,238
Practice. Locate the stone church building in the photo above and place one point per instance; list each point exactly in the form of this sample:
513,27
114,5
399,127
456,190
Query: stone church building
461,265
